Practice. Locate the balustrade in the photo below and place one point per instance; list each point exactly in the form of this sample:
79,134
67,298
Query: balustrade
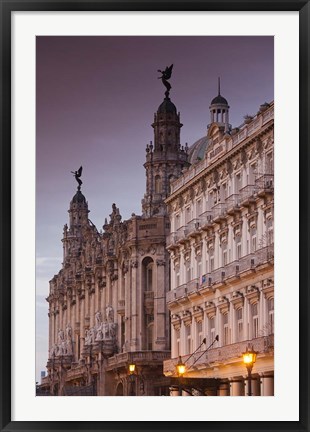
224,354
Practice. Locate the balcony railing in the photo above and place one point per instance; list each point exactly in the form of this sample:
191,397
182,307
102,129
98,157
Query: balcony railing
247,192
217,275
192,286
206,218
219,210
265,182
123,359
235,268
262,345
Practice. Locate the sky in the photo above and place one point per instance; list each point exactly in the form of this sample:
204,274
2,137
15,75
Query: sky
95,103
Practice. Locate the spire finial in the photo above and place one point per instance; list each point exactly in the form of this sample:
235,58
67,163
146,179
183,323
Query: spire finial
219,85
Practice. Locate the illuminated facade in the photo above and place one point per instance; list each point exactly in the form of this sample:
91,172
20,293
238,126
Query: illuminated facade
222,256
197,265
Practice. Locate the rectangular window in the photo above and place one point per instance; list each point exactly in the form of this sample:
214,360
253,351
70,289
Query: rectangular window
188,217
188,339
226,330
239,250
211,263
177,337
177,222
270,316
198,208
239,313
238,183
212,329
224,257
223,192
253,244
199,272
188,274
255,320
199,334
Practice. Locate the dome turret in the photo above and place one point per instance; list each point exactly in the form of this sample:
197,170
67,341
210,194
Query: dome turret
167,107
219,110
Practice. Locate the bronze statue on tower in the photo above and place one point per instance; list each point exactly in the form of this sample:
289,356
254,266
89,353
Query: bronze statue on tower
166,74
77,174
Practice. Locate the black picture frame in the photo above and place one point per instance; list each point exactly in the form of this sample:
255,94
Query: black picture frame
9,6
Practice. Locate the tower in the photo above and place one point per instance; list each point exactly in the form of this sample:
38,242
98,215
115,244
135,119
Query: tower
165,159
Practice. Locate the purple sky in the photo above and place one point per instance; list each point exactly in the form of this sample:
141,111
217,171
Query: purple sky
95,100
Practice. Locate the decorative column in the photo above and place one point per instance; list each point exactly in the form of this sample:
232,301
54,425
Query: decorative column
224,389
255,386
134,305
267,386
159,306
82,323
237,388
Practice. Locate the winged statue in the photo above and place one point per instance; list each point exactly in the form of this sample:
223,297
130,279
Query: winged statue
166,74
77,174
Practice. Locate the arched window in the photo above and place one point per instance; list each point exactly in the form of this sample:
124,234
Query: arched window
147,276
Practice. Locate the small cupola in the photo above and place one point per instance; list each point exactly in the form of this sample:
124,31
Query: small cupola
219,110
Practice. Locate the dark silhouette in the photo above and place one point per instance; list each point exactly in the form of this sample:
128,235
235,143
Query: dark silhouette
166,74
77,174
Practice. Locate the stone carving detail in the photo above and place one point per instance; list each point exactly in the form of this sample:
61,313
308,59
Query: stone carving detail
134,264
103,330
160,262
63,347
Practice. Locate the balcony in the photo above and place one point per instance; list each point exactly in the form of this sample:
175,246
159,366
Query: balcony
137,357
247,195
232,204
180,234
265,185
193,228
192,287
217,275
206,219
235,269
219,211
222,355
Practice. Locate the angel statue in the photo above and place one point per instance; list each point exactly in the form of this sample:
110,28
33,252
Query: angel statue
166,74
77,174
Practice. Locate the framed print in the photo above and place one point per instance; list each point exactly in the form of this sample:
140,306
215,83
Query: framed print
154,178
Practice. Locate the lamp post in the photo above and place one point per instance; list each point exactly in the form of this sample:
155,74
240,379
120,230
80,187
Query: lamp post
249,358
131,371
180,371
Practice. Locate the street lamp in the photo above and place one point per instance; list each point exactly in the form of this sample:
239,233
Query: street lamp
180,371
131,372
131,368
249,358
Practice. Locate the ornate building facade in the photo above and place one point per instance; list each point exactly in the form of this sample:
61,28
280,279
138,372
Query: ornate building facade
195,270
222,261
107,305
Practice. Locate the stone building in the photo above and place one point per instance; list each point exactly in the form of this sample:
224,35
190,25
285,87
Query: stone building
196,264
222,262
107,305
